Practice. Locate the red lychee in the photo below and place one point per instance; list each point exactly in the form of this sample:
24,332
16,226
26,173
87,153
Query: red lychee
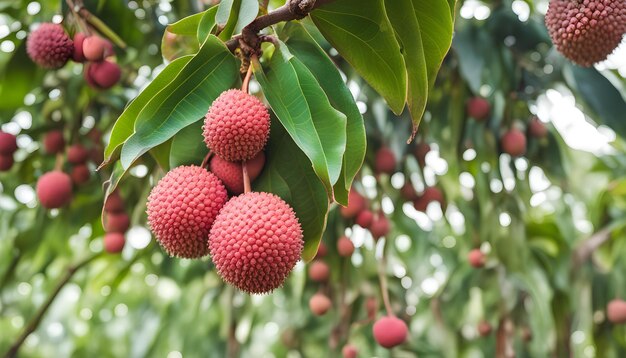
6,162
349,351
364,219
80,174
116,222
408,191
231,173
49,46
102,75
476,258
429,195
319,304
616,311
53,142
236,126
385,161
319,271
513,143
114,242
93,48
78,55
54,189
345,247
537,129
356,203
255,242
390,331
114,203
478,108
8,143
182,208
421,150
322,251
586,31
77,154
484,328
380,226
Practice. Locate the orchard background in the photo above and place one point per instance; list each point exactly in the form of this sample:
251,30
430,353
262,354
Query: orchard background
485,172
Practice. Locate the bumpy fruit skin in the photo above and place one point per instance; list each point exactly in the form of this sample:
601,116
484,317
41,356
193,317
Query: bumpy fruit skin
356,204
80,174
6,162
380,227
537,129
93,48
319,271
231,174
319,304
616,311
586,31
513,143
114,203
349,351
236,126
102,75
78,55
54,189
53,142
364,219
116,222
484,328
390,331
8,143
345,247
49,46
478,108
255,242
114,242
476,258
429,195
385,161
182,208
77,154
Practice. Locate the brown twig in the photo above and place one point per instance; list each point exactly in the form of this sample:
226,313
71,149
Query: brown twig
590,245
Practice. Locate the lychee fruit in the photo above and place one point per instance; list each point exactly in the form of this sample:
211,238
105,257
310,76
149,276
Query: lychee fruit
345,247
78,55
421,150
114,242
484,328
349,351
53,142
513,143
390,331
93,48
54,189
319,271
231,173
116,222
356,203
49,46
6,162
380,227
77,154
429,195
236,126
182,208
114,203
322,251
476,258
255,242
80,174
478,108
616,311
586,31
408,191
8,143
364,219
537,129
319,304
385,161
102,75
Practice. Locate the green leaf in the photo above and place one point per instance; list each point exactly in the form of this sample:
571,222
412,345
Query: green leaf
125,124
207,23
362,34
223,12
188,146
161,154
304,110
247,13
234,15
288,175
187,26
183,101
304,47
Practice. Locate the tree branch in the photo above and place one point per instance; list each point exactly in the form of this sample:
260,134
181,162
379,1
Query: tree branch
590,245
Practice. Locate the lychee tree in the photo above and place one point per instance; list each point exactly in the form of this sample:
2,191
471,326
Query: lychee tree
390,189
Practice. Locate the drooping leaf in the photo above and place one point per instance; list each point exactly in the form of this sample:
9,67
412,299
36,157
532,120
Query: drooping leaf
287,173
183,101
304,47
363,35
304,110
188,146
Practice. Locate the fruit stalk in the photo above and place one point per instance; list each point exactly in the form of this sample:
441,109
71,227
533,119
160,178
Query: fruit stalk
382,263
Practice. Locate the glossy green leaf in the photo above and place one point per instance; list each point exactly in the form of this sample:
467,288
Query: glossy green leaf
125,124
304,110
183,101
187,26
304,47
287,173
161,154
223,12
363,35
188,146
247,13
207,23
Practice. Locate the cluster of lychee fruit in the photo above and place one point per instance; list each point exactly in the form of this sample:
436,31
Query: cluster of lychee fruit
116,223
253,238
50,47
8,146
358,211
